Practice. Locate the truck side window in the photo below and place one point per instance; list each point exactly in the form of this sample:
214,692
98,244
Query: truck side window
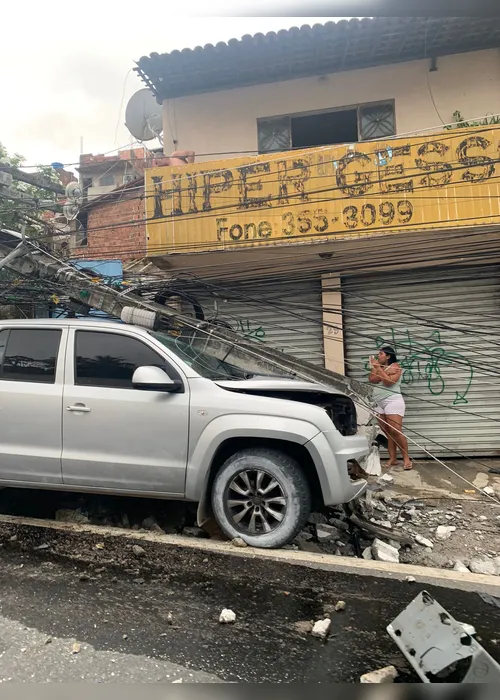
29,355
110,359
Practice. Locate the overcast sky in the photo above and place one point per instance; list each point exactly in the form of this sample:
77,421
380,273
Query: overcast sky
65,65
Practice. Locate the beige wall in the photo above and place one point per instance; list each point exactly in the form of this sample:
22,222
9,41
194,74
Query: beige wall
226,121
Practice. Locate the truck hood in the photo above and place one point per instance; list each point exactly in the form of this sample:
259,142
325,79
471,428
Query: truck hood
258,385
339,407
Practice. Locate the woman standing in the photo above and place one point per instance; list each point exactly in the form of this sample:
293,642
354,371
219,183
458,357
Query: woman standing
390,406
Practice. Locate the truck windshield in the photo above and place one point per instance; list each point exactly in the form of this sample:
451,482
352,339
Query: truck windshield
203,363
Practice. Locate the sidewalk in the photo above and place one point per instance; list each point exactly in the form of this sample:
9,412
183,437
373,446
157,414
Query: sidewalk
430,478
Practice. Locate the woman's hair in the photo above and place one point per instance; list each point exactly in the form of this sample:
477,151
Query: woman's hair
391,352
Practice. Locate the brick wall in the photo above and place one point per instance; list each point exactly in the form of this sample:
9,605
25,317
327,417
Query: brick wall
116,229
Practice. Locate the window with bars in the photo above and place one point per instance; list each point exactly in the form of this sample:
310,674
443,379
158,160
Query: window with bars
363,123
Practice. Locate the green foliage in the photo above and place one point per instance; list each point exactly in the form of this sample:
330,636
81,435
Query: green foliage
12,213
460,122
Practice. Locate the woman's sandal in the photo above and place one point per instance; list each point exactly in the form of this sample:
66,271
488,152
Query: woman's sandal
408,467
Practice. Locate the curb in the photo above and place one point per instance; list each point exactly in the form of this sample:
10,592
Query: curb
346,565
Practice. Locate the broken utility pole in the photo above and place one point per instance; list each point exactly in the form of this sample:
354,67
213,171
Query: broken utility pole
218,342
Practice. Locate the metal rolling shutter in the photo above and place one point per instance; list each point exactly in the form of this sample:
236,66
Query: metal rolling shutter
448,374
287,315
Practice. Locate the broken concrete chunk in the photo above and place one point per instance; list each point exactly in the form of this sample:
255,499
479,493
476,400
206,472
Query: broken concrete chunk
317,518
327,533
424,541
227,616
321,628
138,551
384,552
383,675
483,518
489,491
443,532
238,542
460,567
483,566
193,531
410,579
367,554
66,515
340,606
303,627
386,479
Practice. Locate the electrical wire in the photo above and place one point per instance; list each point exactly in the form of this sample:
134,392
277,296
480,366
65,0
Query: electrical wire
407,134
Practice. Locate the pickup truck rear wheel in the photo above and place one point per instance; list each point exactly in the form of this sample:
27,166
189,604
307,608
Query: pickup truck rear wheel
262,496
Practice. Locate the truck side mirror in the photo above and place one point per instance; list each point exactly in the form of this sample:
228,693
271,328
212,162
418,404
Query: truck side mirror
155,379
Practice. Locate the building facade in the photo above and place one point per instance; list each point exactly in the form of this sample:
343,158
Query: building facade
331,209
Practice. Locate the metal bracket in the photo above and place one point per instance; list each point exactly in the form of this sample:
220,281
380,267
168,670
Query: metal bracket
440,649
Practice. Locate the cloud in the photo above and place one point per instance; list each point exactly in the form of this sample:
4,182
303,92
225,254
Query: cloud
64,71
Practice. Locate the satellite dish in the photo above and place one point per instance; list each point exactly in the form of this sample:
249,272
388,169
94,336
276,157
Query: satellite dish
143,116
70,211
74,193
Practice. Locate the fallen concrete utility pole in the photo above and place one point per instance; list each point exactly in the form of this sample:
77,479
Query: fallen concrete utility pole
217,342
35,179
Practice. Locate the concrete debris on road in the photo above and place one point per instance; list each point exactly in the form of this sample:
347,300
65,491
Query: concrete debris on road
489,491
326,532
66,515
340,606
194,532
460,567
138,551
76,648
321,628
424,541
227,616
382,551
443,532
303,626
410,579
382,675
239,542
386,479
484,566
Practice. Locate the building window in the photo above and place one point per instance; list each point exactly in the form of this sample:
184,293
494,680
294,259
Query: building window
376,121
363,123
29,355
107,181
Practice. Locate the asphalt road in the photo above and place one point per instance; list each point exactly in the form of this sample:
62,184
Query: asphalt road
117,607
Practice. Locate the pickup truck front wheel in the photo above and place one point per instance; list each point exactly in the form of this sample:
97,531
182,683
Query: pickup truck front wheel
262,496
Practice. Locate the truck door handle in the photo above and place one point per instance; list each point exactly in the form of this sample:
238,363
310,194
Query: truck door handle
78,408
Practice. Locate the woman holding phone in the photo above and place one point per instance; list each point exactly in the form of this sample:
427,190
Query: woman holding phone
386,375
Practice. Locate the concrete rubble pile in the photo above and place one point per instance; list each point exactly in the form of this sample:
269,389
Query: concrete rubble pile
393,528
383,526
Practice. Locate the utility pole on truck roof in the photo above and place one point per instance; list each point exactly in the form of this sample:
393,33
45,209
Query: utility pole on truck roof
218,342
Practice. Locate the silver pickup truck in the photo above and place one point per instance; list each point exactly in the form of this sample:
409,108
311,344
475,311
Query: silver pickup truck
102,407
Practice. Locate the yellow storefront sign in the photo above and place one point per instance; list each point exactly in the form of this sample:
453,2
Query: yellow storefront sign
445,180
